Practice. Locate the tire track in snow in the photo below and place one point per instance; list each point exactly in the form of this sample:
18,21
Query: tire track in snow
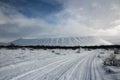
63,73
23,63
76,67
35,70
93,71
96,68
6,74
83,70
83,59
50,71
88,72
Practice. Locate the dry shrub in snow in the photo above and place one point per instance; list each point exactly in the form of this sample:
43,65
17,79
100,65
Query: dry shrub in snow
112,61
57,53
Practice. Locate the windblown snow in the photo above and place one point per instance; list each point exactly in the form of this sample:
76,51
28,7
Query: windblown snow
63,41
53,64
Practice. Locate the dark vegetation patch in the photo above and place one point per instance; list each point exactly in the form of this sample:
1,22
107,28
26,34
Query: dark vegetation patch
21,57
106,47
108,70
78,51
52,51
57,53
112,60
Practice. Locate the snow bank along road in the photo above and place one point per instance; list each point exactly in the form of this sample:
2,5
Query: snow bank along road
47,65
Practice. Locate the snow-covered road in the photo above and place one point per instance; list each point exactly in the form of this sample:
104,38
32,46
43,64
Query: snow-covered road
83,66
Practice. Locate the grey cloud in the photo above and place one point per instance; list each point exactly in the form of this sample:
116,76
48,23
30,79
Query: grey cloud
17,25
77,18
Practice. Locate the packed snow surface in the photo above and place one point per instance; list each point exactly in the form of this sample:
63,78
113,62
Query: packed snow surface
63,41
58,64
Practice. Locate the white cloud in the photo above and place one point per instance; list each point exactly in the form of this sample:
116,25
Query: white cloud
116,22
114,31
73,20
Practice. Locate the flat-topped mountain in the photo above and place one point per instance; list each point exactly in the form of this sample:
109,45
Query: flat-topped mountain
62,41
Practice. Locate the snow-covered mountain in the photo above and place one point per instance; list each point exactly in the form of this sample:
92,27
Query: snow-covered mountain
63,41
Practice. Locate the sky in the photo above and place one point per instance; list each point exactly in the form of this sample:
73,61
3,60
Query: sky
59,18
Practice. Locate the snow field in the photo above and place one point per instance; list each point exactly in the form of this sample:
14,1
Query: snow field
47,65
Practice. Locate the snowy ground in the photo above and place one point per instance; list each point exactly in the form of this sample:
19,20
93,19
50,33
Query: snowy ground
54,65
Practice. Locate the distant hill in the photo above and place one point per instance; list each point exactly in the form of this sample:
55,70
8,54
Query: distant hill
62,41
